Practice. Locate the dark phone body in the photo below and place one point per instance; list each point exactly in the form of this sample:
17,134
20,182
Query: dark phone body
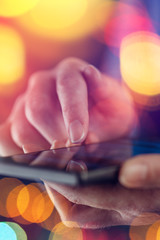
103,162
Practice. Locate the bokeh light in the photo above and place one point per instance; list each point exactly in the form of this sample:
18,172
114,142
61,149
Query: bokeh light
62,232
66,20
51,221
6,232
138,232
12,201
19,231
144,226
12,8
126,19
6,186
11,231
12,57
34,205
26,204
44,207
140,63
63,13
153,232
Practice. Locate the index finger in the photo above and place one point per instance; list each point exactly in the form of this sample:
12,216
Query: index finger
73,98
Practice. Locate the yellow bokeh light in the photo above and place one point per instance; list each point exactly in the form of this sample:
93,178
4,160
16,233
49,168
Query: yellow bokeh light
63,13
7,185
153,231
34,204
12,8
51,221
140,63
144,227
66,20
11,203
61,231
43,207
158,233
25,202
12,56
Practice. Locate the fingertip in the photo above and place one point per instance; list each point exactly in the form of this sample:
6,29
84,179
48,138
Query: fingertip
92,72
133,175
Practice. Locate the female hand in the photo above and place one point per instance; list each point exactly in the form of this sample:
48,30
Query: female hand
73,102
106,205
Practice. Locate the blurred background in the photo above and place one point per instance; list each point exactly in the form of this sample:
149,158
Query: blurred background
121,38
36,34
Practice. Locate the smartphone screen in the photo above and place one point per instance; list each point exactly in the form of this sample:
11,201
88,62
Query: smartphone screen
101,162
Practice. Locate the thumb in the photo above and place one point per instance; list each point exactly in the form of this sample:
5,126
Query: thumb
141,171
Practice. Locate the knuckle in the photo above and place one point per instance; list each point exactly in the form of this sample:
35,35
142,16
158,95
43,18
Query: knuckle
37,78
68,62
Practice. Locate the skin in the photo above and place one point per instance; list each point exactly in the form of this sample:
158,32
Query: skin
106,205
70,104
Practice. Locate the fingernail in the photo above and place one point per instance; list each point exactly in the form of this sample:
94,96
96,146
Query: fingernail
31,148
91,70
134,175
76,132
76,166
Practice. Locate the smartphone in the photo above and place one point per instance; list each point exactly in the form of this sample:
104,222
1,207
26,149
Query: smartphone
102,160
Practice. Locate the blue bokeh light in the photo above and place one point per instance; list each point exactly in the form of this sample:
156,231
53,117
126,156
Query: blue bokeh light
6,232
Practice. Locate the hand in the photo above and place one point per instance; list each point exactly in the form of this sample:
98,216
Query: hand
108,205
105,205
74,102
